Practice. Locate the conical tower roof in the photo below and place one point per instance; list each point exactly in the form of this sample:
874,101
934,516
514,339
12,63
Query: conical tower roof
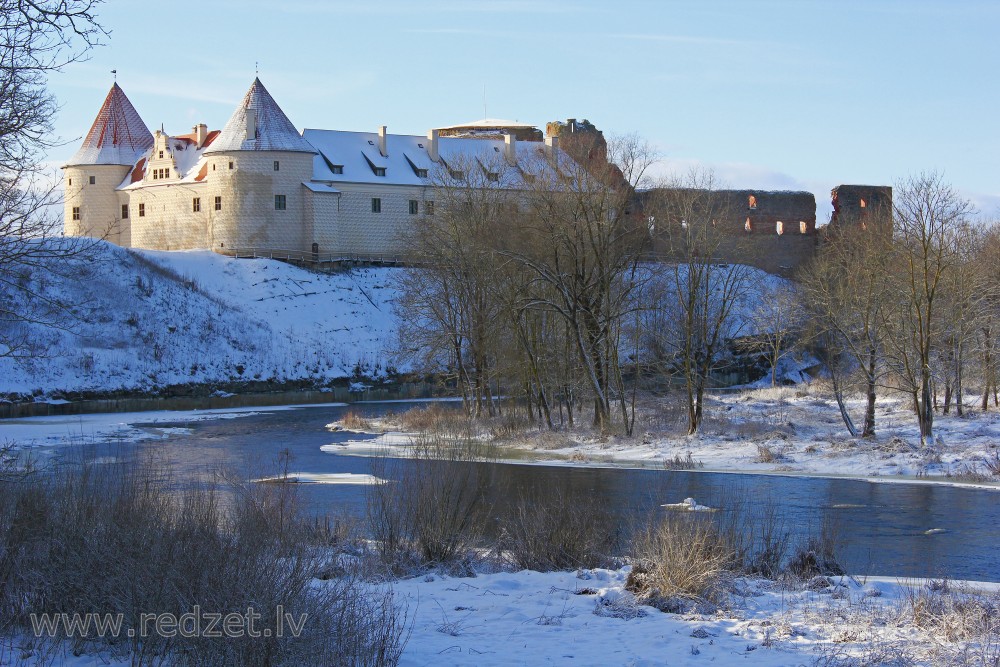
259,124
118,135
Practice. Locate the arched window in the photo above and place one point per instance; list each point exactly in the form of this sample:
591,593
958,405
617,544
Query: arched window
779,227
748,227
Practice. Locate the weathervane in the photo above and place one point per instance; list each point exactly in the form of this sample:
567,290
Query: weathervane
115,72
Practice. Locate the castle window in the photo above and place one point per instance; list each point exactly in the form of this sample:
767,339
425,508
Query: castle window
747,226
376,205
279,202
142,210
124,211
380,171
779,227
429,207
156,174
196,205
161,155
218,203
71,181
803,227
337,168
276,165
230,164
213,167
76,212
414,207
752,203
93,179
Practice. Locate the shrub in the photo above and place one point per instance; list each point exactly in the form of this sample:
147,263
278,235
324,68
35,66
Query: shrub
430,509
123,539
682,556
354,421
554,529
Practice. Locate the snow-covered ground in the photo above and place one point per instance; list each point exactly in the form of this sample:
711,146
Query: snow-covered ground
588,618
144,320
787,430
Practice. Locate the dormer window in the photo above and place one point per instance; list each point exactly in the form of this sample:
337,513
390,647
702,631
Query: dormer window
422,173
371,143
493,176
456,174
337,168
380,171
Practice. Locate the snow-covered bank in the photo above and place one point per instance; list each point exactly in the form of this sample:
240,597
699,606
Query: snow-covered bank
144,320
588,618
784,431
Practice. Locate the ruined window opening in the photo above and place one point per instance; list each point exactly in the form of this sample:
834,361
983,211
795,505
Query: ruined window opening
414,207
376,205
76,212
124,211
142,210
196,205
218,203
752,203
803,227
93,179
747,226
779,227
279,202
863,204
277,166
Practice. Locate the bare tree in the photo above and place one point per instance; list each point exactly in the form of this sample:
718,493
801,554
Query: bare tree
927,217
37,37
583,247
776,319
847,294
696,293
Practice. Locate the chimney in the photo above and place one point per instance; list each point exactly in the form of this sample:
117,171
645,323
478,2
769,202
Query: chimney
552,149
200,134
251,124
510,148
432,146
381,142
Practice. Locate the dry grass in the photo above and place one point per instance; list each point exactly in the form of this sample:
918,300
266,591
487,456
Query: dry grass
679,462
355,421
680,557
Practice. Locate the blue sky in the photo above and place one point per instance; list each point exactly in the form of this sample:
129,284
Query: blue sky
787,94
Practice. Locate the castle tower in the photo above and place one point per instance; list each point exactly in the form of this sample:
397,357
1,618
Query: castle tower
862,206
116,140
259,164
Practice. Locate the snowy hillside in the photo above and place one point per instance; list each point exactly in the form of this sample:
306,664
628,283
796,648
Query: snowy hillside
146,320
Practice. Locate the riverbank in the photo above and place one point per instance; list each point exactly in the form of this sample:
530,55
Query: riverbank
784,431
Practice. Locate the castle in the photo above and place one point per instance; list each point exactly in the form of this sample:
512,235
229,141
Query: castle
260,188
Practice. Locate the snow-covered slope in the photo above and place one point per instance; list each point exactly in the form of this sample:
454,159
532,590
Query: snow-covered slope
146,320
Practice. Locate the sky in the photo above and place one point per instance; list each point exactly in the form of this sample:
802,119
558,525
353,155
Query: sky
781,94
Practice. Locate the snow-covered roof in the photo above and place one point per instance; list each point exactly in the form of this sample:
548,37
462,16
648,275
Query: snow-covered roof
497,123
354,157
272,129
118,135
